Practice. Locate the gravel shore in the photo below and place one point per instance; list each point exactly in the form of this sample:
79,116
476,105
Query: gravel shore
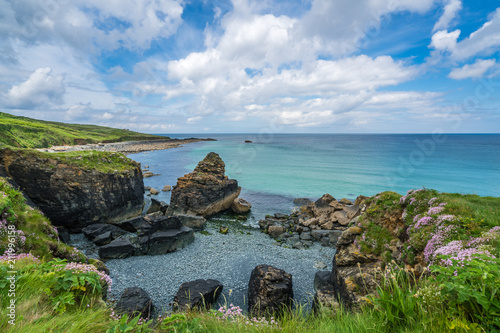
228,258
128,147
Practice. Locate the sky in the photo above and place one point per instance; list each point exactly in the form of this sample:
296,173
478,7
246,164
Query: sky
244,66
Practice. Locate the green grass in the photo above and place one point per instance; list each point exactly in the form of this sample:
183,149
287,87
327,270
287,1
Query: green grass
23,132
87,160
394,307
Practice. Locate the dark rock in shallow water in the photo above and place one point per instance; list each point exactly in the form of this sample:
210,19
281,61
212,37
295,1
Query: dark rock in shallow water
199,294
269,290
135,300
301,201
75,197
117,249
205,191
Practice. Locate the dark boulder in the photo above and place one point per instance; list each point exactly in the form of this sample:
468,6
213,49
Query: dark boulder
205,191
101,234
64,235
199,294
269,291
131,225
135,300
118,249
162,242
322,279
157,206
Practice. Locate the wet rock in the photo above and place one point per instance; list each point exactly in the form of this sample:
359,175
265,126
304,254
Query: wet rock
167,188
269,290
301,201
157,206
101,232
200,294
324,201
148,174
154,191
130,225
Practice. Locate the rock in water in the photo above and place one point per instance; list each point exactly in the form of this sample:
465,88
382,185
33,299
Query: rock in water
135,300
74,196
205,191
197,294
241,206
269,290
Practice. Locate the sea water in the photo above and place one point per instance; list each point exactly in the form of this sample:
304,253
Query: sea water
274,169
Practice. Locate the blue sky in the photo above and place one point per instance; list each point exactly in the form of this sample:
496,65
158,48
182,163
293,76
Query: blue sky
303,66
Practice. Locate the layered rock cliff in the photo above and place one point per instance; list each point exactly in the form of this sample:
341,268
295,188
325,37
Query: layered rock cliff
205,191
79,189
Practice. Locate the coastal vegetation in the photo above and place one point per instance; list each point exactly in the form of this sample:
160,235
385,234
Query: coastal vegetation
23,132
456,236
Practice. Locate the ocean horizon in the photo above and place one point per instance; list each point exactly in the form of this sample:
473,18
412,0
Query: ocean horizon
276,168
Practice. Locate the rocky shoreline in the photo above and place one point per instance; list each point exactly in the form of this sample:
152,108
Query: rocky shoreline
128,147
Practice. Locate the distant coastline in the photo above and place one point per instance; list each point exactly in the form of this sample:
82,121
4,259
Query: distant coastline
128,147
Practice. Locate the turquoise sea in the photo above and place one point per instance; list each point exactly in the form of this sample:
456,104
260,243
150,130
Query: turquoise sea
276,168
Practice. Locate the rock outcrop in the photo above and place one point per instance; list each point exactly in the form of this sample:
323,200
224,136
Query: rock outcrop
153,234
71,192
361,257
322,221
199,294
269,290
205,191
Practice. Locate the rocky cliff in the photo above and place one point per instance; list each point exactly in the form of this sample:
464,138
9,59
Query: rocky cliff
205,191
77,189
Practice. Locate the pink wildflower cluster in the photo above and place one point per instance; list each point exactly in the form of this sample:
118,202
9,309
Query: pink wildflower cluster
438,238
233,313
19,256
435,210
78,268
426,220
457,250
6,230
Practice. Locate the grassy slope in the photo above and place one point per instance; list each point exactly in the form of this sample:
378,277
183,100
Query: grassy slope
25,132
34,307
86,160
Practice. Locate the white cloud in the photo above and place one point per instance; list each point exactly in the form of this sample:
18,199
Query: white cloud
40,89
445,41
484,41
451,10
476,69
